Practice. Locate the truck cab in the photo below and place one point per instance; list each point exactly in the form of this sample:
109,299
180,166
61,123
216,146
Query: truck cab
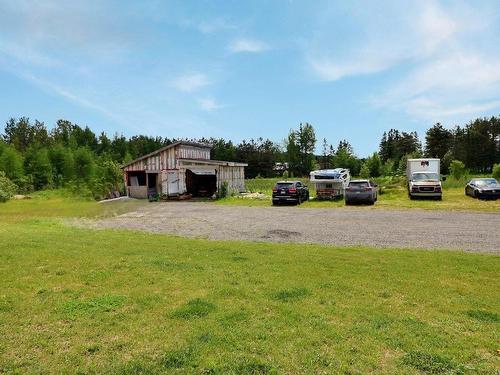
424,179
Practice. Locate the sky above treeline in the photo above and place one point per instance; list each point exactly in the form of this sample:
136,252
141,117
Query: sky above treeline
249,69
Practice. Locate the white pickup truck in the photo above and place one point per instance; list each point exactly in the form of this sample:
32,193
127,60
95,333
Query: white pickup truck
423,177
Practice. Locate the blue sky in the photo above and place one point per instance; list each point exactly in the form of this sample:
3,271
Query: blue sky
249,69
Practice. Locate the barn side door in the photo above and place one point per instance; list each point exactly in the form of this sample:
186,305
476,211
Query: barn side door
173,182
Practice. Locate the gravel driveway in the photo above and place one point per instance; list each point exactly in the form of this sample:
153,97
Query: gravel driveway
478,232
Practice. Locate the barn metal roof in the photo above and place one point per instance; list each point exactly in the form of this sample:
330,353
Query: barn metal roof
216,162
186,143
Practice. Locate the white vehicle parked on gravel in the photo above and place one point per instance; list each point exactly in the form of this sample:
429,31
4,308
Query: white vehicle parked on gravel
330,183
423,178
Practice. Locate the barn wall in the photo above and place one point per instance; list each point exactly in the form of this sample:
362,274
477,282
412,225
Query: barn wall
137,191
168,159
234,176
191,152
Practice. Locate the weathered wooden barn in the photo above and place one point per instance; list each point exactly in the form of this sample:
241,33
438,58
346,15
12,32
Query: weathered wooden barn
182,167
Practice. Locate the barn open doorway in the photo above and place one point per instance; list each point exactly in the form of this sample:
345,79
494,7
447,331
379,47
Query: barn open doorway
152,184
201,182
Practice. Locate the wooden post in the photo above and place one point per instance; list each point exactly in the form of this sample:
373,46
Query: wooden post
125,181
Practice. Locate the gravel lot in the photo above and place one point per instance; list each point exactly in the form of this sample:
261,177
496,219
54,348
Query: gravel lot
478,232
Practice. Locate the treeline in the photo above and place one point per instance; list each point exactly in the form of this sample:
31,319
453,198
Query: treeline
34,157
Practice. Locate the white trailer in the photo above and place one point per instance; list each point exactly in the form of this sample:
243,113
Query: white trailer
330,183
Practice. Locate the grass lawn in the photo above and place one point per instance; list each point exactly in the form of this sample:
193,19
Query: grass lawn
80,301
393,194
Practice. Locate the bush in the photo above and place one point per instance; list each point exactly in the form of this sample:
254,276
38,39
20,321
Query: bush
223,191
285,175
457,169
7,187
365,171
496,171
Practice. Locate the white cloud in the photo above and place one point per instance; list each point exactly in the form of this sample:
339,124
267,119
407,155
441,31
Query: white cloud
433,111
27,55
446,69
450,86
248,45
209,104
415,35
190,82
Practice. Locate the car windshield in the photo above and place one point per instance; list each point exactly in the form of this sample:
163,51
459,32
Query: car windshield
486,182
425,176
282,185
359,184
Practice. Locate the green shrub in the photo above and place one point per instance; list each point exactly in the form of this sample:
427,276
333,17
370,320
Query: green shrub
457,169
285,175
223,191
7,187
365,171
496,171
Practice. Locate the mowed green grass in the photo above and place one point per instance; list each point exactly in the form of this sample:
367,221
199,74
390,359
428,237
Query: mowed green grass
393,194
82,301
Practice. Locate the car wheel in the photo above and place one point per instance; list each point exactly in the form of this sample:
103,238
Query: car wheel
275,203
475,194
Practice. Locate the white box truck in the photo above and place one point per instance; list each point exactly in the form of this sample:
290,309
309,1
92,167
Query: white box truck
423,178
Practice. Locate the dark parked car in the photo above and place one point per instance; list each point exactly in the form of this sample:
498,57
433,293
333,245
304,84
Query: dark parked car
483,188
361,191
290,191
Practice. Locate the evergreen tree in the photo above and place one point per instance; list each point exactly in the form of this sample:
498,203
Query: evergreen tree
365,171
438,141
374,165
345,158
